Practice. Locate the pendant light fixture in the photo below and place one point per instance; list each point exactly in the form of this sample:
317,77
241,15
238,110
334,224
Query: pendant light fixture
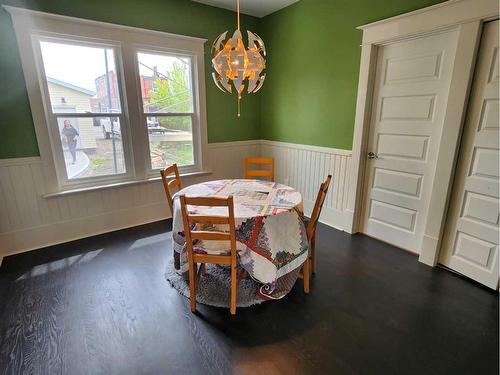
237,66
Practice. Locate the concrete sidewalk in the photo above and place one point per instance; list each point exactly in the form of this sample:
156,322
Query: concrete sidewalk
81,164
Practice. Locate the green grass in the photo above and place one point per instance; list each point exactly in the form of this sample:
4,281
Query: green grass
98,162
175,152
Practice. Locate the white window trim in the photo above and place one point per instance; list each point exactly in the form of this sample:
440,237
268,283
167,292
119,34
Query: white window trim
51,117
197,147
29,23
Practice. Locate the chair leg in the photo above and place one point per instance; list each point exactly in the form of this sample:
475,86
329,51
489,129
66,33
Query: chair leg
305,272
192,286
243,274
313,253
234,286
203,269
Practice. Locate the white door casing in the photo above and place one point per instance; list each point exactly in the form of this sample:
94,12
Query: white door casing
471,239
410,95
465,16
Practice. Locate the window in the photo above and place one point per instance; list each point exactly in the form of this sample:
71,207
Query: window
167,107
112,103
82,85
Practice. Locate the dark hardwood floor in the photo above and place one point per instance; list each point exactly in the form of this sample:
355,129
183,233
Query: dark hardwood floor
102,306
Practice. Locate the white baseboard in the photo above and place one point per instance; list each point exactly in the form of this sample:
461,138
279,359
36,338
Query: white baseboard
329,216
51,234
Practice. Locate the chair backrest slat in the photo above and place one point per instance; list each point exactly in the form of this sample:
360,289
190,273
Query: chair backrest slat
201,219
318,206
215,235
207,201
269,172
174,183
170,185
210,235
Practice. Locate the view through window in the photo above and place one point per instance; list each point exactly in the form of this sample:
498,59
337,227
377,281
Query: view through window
167,101
85,101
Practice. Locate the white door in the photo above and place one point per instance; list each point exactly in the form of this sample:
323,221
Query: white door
470,243
411,89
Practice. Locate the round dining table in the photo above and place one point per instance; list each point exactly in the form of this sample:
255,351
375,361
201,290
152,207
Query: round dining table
271,237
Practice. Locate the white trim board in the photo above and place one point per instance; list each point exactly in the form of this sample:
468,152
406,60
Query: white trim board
20,161
47,235
337,151
441,16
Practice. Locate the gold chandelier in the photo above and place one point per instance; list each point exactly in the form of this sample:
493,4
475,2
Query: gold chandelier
234,63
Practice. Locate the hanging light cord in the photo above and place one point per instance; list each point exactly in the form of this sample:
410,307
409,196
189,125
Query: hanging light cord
238,10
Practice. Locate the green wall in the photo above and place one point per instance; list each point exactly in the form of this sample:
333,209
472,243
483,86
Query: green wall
309,96
17,135
313,65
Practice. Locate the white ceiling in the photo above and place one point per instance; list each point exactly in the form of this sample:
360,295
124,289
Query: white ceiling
258,8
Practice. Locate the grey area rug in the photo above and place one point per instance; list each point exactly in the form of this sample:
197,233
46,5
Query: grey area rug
214,289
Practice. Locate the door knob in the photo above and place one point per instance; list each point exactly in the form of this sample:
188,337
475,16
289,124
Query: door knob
372,155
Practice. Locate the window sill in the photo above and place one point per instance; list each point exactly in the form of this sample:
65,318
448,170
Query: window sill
118,184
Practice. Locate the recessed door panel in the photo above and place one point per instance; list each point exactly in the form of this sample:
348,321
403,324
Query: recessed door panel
474,249
398,182
490,114
481,207
402,146
418,67
414,107
393,215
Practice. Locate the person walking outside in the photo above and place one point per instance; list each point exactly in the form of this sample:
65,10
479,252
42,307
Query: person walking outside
69,134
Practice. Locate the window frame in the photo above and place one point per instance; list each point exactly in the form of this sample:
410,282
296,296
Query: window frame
125,41
194,114
52,117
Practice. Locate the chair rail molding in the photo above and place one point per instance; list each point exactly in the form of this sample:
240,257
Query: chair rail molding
466,16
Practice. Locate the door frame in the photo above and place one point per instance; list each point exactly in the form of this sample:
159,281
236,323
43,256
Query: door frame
466,16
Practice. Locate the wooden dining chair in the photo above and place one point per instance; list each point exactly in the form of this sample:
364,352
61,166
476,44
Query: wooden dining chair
170,185
313,221
222,256
268,172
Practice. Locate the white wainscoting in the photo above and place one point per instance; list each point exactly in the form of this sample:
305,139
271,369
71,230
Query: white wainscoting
304,168
30,221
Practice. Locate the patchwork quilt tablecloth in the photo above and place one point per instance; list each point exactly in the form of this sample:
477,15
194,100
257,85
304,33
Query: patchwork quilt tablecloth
271,236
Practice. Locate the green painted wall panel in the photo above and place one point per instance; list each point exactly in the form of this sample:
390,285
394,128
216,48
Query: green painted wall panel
17,136
313,65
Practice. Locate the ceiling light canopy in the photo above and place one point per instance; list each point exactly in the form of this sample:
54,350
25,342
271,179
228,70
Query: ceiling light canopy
236,66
